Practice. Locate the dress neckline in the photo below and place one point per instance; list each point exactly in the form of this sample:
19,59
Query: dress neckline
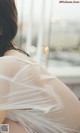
18,58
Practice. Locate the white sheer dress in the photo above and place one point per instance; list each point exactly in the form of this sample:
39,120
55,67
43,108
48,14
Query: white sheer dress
29,94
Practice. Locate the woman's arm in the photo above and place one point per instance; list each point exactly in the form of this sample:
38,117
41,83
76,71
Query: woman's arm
8,69
70,113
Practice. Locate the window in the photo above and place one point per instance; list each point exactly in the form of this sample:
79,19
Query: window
50,31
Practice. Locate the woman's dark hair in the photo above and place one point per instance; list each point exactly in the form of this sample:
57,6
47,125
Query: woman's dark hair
8,25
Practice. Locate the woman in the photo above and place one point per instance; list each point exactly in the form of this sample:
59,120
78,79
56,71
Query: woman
31,100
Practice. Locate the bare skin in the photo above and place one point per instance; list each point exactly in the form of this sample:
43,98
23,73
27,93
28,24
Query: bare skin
14,127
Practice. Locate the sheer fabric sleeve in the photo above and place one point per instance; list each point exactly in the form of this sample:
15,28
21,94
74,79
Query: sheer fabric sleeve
37,100
8,69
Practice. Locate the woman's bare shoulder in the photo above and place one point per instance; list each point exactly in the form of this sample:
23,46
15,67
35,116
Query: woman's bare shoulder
19,55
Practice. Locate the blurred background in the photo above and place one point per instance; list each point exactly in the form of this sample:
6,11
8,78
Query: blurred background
50,32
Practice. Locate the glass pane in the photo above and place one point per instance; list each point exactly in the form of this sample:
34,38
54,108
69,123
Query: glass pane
50,31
